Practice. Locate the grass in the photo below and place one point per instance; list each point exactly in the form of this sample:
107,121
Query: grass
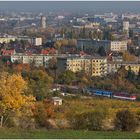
65,134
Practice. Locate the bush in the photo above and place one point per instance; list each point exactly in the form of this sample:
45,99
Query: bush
125,121
42,113
88,120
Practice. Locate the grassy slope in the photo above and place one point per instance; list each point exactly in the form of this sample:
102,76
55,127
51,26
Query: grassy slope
15,133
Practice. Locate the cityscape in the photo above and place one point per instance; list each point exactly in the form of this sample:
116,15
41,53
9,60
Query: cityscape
70,69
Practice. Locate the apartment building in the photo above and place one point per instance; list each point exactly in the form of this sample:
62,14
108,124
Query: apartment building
88,44
114,66
6,39
94,66
99,66
118,46
36,41
16,58
36,59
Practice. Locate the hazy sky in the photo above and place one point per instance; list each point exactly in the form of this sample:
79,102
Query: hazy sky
71,6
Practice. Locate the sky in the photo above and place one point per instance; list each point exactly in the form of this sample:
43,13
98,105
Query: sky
71,6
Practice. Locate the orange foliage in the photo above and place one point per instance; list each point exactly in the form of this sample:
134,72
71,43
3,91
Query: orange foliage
21,67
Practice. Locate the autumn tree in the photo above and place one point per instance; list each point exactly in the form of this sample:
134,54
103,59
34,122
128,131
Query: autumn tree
121,80
42,112
20,67
128,57
12,96
39,83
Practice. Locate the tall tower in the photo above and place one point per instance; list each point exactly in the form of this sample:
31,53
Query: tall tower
43,22
126,27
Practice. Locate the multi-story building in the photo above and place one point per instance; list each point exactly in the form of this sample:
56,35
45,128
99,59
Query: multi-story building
36,59
17,58
126,27
94,66
36,41
114,66
47,58
118,46
99,66
88,44
43,22
7,39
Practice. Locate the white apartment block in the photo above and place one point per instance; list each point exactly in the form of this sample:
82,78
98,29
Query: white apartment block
46,60
36,41
37,60
16,58
125,25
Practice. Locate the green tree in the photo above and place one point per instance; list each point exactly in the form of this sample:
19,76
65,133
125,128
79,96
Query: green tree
101,51
39,83
130,74
67,77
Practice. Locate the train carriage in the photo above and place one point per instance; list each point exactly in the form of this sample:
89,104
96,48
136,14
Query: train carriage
110,94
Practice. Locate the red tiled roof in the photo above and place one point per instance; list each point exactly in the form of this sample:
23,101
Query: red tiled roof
7,52
48,51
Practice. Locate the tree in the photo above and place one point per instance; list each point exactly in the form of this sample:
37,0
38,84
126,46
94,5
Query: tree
57,45
39,83
12,96
125,121
67,77
121,80
128,57
130,74
53,66
90,35
101,51
42,112
88,120
20,67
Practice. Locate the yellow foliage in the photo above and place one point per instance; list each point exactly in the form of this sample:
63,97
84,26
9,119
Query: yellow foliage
12,96
128,57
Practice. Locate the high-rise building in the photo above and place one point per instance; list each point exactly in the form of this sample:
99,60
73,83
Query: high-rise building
43,22
126,27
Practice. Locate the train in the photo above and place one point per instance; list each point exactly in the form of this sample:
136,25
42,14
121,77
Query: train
109,94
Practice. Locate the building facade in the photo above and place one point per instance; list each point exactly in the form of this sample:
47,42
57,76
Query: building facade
7,39
43,22
88,44
35,59
94,66
36,41
118,46
114,66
